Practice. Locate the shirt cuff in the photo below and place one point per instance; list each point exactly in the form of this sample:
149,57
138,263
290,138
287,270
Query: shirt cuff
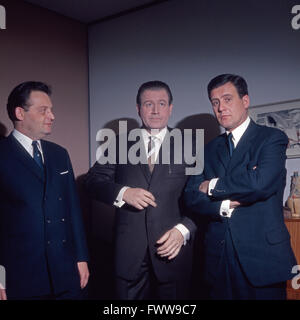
225,210
212,185
184,231
119,200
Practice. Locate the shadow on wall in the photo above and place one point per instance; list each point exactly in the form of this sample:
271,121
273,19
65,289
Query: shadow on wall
99,222
211,130
204,121
3,131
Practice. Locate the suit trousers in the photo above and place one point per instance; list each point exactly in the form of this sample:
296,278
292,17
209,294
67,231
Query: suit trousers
231,282
146,286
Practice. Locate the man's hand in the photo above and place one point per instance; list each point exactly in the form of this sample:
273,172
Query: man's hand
83,273
204,186
234,204
2,294
170,244
139,198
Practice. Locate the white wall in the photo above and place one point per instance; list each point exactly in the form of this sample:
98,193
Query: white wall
186,43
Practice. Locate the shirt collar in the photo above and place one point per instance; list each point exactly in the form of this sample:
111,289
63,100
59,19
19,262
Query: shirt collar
238,132
25,141
160,135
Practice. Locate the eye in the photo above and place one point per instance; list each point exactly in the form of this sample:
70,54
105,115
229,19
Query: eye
227,99
162,104
43,110
148,104
215,103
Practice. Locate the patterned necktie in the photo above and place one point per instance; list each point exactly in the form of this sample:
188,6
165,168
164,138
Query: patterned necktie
37,156
230,143
151,153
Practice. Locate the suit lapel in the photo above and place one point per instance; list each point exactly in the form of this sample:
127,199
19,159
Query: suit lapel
222,151
160,167
144,167
47,161
23,156
146,171
244,144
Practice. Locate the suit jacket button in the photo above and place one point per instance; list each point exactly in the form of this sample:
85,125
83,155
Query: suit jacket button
64,241
48,221
222,242
59,198
48,242
63,219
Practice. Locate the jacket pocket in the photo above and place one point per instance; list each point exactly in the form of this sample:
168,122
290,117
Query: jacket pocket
278,235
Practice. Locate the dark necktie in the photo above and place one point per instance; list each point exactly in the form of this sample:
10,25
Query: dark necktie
151,153
37,156
230,144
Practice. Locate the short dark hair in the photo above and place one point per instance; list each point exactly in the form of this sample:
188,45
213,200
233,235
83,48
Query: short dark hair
239,83
20,95
153,85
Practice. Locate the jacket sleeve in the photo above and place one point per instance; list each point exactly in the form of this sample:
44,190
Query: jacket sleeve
79,236
100,183
199,202
258,181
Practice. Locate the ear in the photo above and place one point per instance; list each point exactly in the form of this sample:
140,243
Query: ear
138,109
19,112
170,108
246,101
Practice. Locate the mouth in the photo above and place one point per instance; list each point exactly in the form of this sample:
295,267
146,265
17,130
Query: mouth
224,117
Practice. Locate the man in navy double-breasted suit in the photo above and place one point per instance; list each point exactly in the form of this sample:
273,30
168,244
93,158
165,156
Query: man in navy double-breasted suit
247,246
42,241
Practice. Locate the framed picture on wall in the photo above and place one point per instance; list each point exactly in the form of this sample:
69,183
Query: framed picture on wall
284,116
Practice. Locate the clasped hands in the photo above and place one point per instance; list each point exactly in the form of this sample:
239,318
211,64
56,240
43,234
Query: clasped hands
170,243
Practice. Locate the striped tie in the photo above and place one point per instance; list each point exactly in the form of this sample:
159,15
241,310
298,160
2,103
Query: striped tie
151,153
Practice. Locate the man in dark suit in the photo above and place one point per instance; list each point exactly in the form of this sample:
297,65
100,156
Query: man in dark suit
153,236
42,241
247,246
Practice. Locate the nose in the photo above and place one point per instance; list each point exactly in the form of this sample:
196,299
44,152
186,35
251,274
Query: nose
51,115
221,106
155,108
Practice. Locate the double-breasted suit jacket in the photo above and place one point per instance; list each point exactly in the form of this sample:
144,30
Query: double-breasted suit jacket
41,229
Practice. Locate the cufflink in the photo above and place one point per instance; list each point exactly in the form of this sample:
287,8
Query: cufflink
224,213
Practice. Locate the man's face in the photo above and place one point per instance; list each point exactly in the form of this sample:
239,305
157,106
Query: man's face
37,121
229,108
155,109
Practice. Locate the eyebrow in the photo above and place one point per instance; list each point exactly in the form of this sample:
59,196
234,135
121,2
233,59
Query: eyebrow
153,101
224,95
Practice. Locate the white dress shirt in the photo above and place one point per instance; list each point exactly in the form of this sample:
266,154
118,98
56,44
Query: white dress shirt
26,142
159,137
237,133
